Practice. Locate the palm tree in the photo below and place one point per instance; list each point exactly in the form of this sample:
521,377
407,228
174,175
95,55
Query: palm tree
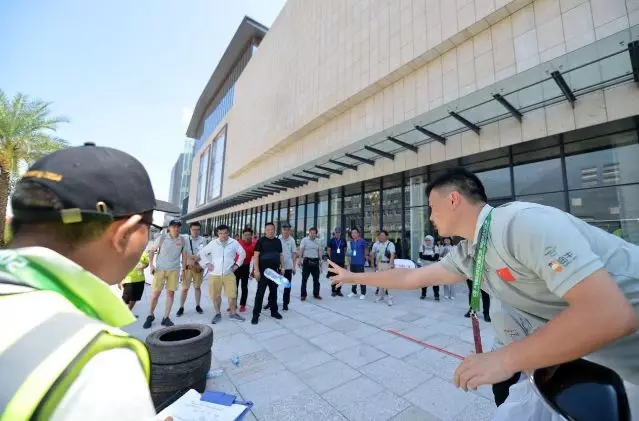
26,134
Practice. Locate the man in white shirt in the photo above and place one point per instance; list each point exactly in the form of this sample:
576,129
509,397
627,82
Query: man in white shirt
222,257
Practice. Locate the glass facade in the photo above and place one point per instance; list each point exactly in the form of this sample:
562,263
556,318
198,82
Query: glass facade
592,174
223,100
203,175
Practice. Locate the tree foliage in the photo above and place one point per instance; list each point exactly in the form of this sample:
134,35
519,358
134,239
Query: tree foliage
27,133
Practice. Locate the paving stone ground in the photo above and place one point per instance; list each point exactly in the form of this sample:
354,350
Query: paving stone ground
334,359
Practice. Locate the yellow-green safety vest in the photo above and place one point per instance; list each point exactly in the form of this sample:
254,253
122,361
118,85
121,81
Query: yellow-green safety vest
47,339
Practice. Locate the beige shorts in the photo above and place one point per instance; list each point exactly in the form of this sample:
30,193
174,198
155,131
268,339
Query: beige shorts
192,276
217,282
165,277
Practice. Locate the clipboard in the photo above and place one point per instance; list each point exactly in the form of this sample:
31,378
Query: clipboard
222,398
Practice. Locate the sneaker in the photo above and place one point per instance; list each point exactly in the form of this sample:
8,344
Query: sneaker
487,318
148,322
377,291
216,319
303,298
237,317
451,298
351,295
242,309
333,294
285,307
467,314
436,298
362,297
180,311
199,309
254,320
167,322
277,316
317,297
423,297
266,307
379,299
339,294
390,302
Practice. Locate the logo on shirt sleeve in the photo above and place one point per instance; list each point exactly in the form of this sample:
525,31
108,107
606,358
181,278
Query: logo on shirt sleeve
506,275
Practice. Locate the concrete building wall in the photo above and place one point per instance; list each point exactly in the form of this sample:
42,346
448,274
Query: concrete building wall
334,75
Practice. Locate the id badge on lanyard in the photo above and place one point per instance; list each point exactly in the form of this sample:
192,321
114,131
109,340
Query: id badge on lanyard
478,273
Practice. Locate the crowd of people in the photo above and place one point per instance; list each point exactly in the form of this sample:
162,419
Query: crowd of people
229,263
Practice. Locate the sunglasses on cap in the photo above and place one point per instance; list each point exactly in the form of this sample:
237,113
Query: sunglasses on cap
581,390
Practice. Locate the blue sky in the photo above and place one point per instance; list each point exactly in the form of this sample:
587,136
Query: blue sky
126,73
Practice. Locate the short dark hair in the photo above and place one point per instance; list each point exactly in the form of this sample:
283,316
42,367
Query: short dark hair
384,232
355,229
222,227
195,224
312,229
462,181
247,229
269,223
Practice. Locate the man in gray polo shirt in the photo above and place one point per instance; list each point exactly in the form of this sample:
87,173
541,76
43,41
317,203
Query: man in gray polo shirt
167,255
581,282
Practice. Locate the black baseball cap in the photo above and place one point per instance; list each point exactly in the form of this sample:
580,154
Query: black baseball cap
175,222
94,183
286,225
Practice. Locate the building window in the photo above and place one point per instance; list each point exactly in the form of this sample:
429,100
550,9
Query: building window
538,177
310,212
496,183
336,210
603,168
323,229
202,176
417,215
216,166
614,209
299,224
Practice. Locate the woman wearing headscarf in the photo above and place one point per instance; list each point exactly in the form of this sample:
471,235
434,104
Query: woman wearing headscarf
449,291
428,255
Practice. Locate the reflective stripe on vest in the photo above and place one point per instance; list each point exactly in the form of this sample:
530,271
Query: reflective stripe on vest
39,366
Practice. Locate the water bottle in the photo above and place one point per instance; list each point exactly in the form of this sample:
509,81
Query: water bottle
214,373
277,278
235,360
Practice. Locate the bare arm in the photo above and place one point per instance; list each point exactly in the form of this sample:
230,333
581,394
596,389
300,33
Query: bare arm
435,274
256,262
596,302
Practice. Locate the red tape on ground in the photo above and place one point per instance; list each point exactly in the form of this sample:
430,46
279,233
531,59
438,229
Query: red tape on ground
417,341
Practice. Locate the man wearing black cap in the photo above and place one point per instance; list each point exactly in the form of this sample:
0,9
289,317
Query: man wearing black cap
167,255
336,251
81,221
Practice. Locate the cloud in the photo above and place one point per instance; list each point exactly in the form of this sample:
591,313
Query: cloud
187,113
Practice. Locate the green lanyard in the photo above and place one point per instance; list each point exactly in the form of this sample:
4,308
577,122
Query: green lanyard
478,269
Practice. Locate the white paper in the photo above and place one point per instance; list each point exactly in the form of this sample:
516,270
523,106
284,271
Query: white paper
189,407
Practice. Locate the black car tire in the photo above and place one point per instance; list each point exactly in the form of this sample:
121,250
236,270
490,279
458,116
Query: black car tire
179,344
169,380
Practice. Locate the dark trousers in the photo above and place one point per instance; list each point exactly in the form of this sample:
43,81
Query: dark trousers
435,291
242,275
485,298
502,389
331,274
312,270
286,298
262,284
362,288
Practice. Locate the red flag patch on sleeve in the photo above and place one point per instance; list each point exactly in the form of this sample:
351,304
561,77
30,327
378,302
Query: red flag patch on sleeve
506,275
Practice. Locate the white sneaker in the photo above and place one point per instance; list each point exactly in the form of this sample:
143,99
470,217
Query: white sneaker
362,297
379,299
452,298
390,302
351,295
